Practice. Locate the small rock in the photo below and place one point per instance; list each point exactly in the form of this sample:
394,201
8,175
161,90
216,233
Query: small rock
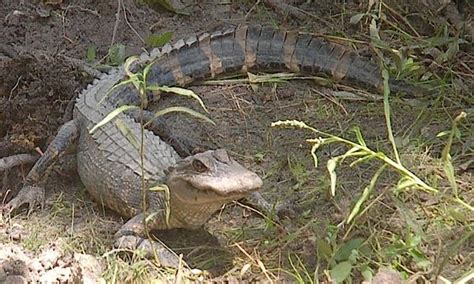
16,232
89,267
16,279
14,18
57,275
50,255
387,276
35,266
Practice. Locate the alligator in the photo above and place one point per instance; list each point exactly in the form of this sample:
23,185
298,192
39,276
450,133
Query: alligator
111,166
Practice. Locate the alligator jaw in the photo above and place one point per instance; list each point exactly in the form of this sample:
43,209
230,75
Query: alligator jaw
211,176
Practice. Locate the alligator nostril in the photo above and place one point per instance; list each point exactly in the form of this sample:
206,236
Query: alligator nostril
255,180
221,155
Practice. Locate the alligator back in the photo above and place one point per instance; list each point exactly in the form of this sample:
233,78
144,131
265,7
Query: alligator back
109,160
256,48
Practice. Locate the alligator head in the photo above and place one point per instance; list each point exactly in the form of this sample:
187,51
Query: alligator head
200,184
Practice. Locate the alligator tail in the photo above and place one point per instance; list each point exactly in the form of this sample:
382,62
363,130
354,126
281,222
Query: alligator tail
256,48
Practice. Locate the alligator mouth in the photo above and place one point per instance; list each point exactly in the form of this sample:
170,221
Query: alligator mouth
192,195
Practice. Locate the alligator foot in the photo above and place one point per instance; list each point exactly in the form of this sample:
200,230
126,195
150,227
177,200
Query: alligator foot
31,195
257,201
151,249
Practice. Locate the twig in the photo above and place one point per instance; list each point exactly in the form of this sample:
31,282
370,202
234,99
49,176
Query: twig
77,63
14,88
253,8
77,7
287,9
397,15
130,25
16,160
117,20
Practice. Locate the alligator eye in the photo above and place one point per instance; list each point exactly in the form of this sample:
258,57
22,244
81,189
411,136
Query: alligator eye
199,166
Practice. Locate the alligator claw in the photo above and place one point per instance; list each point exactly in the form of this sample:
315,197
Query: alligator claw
31,195
283,210
150,248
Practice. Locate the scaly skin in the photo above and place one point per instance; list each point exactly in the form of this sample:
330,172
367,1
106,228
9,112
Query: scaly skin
109,162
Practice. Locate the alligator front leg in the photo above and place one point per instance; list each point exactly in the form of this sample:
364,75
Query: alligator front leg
132,236
31,193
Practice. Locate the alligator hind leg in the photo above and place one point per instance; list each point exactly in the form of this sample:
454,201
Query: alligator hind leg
151,249
131,236
31,193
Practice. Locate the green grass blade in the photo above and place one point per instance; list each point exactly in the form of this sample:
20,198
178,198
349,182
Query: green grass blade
180,109
127,132
127,64
387,112
359,136
111,116
181,92
165,189
125,82
365,194
446,157
331,166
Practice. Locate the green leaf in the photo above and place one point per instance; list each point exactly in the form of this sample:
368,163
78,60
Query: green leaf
453,49
180,109
331,166
314,148
128,134
175,6
359,136
324,248
145,72
165,189
397,58
362,159
91,53
126,67
404,182
341,271
457,215
443,133
181,92
366,273
110,116
374,30
155,40
365,195
356,18
387,113
345,251
421,261
355,151
117,54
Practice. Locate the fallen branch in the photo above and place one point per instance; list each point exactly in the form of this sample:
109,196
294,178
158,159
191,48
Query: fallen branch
286,9
16,160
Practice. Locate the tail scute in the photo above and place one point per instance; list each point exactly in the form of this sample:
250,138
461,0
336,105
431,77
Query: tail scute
256,48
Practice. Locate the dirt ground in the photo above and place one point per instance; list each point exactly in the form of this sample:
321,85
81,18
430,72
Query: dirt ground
42,49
